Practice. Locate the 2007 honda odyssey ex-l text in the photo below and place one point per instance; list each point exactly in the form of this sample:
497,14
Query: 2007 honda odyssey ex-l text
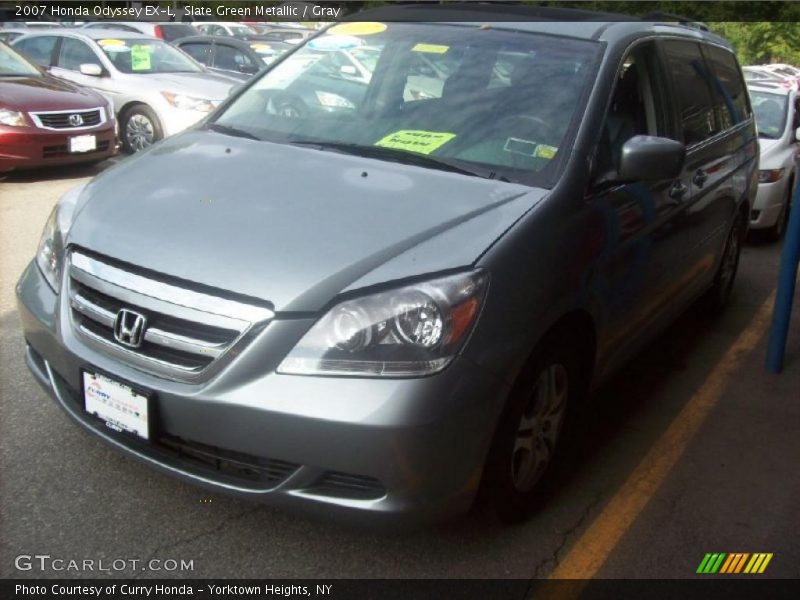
378,305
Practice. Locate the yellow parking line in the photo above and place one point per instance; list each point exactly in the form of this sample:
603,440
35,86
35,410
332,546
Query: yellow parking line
591,550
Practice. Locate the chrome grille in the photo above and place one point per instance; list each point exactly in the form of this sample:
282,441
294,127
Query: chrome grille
187,332
63,119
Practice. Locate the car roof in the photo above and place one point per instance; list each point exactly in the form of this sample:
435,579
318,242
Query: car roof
772,89
225,39
576,23
92,34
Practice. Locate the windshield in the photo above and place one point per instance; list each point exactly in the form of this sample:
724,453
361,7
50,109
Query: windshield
770,110
494,102
146,56
240,31
12,63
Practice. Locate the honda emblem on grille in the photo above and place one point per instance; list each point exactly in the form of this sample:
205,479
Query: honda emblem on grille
76,120
129,328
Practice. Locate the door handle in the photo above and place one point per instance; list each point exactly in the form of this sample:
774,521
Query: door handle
700,178
678,190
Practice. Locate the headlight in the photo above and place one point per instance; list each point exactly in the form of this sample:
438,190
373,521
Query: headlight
770,176
406,332
329,100
184,102
11,117
50,254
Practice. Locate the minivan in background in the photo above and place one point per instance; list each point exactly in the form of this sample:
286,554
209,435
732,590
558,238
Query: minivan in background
388,308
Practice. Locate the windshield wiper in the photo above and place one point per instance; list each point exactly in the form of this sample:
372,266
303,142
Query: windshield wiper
227,130
395,155
767,136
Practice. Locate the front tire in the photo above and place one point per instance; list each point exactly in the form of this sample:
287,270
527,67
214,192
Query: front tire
530,435
140,128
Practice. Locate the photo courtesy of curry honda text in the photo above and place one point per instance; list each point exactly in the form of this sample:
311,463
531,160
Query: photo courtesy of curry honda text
383,295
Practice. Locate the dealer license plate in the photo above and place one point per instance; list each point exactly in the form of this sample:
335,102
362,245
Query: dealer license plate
122,408
82,143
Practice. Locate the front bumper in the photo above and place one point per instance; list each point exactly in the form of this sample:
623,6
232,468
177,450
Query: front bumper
768,204
394,450
29,147
174,120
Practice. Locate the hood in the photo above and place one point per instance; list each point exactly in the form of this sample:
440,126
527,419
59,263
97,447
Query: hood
46,93
292,226
207,85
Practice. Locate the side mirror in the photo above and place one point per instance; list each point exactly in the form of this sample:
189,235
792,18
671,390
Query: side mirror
649,158
91,69
348,70
248,69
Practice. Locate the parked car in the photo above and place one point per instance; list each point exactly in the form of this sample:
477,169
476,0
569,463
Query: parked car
225,28
156,89
229,55
777,119
291,35
166,31
45,121
759,74
9,34
788,71
380,309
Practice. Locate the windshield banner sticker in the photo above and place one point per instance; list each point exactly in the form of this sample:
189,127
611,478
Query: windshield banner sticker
108,42
363,28
140,58
430,48
545,151
412,140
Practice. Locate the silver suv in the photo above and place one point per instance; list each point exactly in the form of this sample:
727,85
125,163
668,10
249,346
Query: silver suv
381,304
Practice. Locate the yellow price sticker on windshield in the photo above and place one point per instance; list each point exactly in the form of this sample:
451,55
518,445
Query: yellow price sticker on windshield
545,151
413,140
108,42
361,28
430,48
140,58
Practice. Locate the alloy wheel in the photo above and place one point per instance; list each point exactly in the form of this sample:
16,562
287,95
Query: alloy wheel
139,132
539,427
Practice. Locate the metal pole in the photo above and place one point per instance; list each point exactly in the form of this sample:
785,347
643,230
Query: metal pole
787,275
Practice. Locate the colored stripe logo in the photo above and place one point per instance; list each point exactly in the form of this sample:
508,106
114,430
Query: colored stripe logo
736,562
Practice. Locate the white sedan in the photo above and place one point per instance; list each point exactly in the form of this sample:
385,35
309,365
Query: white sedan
777,119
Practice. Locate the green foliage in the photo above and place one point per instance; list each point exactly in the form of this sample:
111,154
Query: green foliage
762,42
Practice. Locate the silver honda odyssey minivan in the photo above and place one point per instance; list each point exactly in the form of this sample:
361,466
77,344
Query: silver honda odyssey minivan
378,296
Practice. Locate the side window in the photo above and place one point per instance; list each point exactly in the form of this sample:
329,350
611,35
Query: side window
637,107
231,59
691,79
730,93
200,52
38,50
74,53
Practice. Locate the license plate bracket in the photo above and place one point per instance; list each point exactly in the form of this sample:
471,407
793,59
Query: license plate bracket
82,143
120,406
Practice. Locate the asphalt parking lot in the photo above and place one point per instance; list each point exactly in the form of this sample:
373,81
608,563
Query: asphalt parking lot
692,449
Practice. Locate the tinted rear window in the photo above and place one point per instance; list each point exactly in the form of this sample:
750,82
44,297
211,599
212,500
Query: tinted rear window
173,31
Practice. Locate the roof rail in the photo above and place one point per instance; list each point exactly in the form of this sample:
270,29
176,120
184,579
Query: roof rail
657,15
